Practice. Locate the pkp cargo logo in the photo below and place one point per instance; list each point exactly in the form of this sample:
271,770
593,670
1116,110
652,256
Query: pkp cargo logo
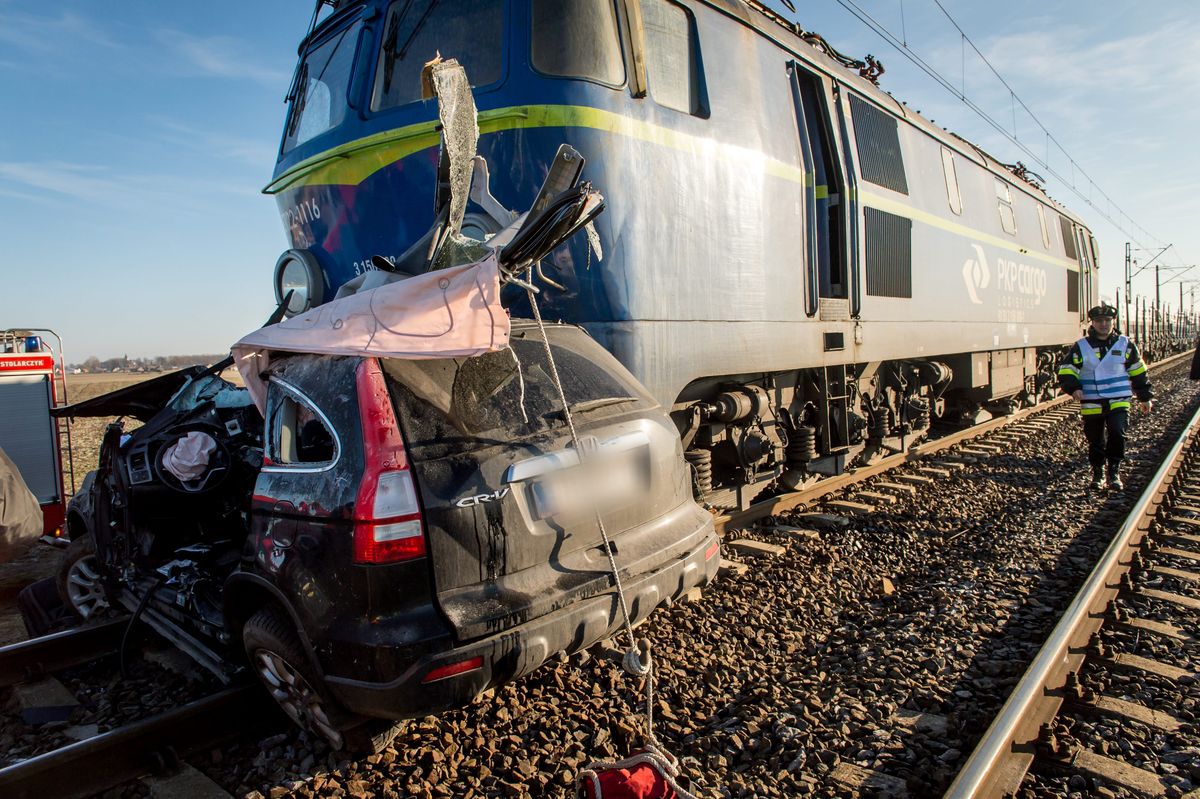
976,274
1017,281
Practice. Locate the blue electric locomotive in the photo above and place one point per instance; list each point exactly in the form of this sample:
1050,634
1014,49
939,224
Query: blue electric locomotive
805,270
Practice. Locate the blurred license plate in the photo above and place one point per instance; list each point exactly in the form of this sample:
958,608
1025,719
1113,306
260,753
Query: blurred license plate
604,484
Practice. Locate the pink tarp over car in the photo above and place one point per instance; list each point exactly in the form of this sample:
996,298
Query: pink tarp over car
446,313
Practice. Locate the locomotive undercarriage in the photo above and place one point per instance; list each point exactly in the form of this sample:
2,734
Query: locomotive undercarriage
749,435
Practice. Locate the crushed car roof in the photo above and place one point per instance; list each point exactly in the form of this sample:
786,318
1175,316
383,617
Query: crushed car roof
141,401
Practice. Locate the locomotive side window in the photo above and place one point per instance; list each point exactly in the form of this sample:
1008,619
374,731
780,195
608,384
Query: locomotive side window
1007,220
1045,230
471,31
671,55
1072,291
1068,235
578,39
319,94
953,194
877,136
1004,203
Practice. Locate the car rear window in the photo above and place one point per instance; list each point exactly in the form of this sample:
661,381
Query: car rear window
506,395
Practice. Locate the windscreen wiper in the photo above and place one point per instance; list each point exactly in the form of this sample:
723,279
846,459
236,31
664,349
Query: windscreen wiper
417,29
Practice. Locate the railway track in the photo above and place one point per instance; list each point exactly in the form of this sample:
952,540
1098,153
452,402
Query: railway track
30,660
155,744
160,741
1158,543
1025,421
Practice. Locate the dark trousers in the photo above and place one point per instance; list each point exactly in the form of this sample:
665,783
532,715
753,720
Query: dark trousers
1094,427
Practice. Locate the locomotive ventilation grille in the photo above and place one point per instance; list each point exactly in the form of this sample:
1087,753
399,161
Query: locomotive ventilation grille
878,144
889,254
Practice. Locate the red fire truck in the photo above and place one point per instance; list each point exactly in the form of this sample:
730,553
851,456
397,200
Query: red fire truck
32,381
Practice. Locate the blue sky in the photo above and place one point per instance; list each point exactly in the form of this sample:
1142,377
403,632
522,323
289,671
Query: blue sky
135,141
136,137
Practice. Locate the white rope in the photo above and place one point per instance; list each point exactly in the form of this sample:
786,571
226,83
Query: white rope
520,383
660,759
612,562
638,663
637,660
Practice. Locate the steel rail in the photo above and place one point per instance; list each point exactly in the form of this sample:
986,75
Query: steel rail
28,660
1000,761
793,499
134,750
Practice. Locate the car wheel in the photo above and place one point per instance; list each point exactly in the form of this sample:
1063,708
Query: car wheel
80,583
279,660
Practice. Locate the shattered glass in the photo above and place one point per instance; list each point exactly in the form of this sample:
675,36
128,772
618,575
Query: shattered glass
460,135
212,387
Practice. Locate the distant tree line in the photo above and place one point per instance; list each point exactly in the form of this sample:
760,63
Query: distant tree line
159,363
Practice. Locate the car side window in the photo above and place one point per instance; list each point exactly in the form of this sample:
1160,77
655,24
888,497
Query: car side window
300,435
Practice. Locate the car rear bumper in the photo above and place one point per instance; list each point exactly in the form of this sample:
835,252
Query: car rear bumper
519,650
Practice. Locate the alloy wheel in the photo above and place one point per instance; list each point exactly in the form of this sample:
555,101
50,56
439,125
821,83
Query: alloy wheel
85,589
295,696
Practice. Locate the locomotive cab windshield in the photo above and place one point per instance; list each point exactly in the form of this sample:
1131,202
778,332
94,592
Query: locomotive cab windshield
320,95
414,33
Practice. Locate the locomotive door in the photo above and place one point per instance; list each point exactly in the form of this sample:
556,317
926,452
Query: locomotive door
825,270
1086,278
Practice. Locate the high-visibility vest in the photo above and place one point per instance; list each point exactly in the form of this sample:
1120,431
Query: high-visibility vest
1104,378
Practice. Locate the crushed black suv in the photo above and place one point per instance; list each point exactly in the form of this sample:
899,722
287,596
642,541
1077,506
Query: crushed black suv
398,535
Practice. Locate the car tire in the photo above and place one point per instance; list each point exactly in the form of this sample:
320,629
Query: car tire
370,737
281,664
80,583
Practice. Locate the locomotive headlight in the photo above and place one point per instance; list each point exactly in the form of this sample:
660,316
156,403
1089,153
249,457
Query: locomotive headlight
297,271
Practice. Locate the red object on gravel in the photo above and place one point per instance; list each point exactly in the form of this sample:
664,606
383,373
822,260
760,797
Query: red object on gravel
644,775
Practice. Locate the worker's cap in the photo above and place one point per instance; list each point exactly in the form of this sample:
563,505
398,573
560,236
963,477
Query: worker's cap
1103,311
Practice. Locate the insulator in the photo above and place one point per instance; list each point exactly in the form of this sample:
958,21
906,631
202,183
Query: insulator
802,444
701,462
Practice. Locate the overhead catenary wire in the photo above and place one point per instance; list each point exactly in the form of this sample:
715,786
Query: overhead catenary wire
901,45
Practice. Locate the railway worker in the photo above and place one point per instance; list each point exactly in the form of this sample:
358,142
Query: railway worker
1103,371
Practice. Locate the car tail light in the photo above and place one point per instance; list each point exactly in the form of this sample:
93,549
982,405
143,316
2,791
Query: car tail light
387,515
713,549
453,669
